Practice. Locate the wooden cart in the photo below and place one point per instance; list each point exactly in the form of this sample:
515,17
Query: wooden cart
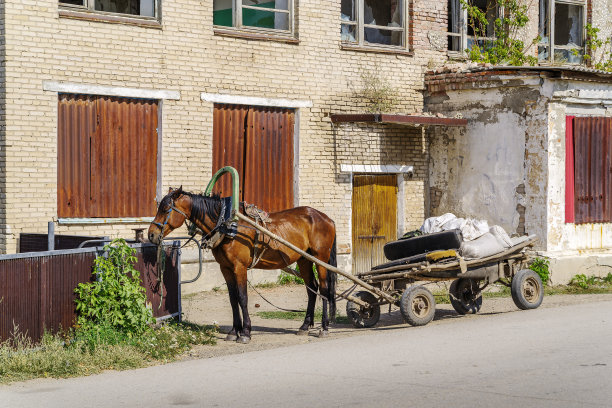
417,304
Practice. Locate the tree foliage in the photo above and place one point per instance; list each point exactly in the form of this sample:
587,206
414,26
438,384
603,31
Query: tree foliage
505,47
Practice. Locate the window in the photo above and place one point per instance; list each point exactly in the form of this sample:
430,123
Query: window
259,15
588,189
107,156
464,32
373,22
561,27
141,8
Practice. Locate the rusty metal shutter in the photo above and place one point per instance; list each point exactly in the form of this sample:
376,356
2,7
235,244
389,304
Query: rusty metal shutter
258,142
592,169
107,156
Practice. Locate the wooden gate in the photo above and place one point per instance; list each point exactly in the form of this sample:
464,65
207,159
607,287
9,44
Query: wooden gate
374,218
258,142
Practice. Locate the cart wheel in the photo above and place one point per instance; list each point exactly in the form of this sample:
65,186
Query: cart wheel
465,296
527,289
418,306
361,316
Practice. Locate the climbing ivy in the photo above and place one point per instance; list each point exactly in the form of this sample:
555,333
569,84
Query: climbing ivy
603,61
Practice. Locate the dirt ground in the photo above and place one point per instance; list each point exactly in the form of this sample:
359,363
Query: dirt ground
213,307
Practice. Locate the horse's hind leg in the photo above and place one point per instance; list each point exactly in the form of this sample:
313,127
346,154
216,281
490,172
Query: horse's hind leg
311,289
324,290
241,280
232,289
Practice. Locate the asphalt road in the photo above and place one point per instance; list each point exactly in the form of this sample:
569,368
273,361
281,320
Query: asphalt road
555,357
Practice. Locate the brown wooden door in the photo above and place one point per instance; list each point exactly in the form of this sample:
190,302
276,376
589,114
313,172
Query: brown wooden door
374,218
258,143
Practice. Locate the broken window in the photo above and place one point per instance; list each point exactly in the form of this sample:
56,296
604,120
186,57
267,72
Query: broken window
561,27
142,8
255,14
464,31
373,22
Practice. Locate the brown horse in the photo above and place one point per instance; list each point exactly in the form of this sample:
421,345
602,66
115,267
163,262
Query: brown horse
308,229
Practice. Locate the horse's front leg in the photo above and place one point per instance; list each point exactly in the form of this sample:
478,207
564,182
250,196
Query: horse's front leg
243,300
232,289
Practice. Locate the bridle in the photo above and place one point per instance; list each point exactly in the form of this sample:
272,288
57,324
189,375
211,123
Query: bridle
168,213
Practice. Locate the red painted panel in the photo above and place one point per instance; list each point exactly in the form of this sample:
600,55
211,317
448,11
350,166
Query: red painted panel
569,169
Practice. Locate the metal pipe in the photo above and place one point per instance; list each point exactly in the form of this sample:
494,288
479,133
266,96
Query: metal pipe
199,268
51,236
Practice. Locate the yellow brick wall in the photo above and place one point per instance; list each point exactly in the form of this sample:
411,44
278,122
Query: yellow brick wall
185,55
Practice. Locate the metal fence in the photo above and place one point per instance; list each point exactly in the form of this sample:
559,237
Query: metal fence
37,289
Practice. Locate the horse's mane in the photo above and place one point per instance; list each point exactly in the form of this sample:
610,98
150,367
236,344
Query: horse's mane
203,205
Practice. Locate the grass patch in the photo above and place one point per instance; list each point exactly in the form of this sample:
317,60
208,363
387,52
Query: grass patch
298,316
78,353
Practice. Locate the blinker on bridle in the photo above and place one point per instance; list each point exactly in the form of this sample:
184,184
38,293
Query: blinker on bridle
168,213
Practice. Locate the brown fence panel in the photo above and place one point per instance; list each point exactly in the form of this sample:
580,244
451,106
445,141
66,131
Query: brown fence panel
37,291
592,169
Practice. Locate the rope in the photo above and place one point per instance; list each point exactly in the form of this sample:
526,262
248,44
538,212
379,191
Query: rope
272,304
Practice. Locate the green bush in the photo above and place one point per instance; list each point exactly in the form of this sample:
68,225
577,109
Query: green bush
541,267
115,303
587,282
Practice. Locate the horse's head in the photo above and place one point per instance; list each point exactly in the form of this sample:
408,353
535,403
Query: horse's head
172,212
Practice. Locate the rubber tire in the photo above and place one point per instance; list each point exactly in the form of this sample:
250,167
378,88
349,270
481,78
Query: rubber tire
361,317
462,304
407,303
522,277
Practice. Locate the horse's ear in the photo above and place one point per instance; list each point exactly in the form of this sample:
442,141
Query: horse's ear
169,190
180,190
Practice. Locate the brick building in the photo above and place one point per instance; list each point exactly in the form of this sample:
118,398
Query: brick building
107,103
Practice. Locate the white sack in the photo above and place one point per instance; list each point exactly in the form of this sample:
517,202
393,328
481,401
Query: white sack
474,229
501,235
485,245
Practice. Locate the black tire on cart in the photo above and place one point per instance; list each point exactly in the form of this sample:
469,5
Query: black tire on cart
527,289
465,296
418,306
361,316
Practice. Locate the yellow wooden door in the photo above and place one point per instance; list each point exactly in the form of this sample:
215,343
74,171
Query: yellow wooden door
374,219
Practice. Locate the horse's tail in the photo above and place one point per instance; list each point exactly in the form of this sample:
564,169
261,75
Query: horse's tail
332,278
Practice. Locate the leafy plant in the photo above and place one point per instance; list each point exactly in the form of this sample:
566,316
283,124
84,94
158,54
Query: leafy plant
505,47
376,91
595,44
115,301
541,267
587,282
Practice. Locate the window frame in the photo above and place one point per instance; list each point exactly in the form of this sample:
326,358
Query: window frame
238,26
88,7
549,20
463,31
360,42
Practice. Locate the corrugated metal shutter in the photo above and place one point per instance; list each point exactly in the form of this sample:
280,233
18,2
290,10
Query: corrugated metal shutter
258,142
592,169
107,156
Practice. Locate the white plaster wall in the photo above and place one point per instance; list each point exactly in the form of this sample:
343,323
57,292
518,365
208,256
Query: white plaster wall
482,171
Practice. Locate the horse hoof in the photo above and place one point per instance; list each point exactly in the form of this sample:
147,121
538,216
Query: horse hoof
243,340
302,332
323,333
231,337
